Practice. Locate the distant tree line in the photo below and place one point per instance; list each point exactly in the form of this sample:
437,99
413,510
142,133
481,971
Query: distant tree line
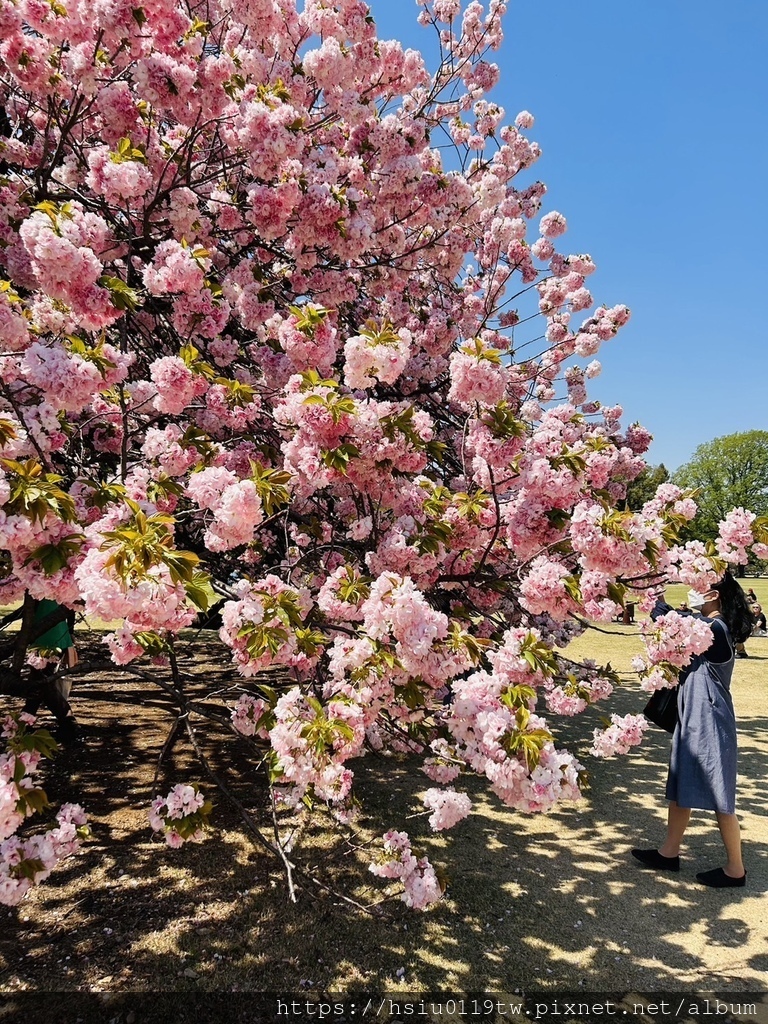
728,472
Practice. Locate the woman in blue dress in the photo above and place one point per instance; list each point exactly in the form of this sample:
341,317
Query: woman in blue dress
702,769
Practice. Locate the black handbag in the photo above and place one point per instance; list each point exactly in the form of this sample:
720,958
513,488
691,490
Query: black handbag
661,709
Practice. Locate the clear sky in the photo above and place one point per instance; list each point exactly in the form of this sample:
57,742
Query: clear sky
653,121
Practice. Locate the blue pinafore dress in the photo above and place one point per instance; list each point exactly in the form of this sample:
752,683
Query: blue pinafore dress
702,767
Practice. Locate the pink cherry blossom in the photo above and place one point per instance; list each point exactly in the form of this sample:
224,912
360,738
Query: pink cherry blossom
735,536
552,225
266,342
448,807
621,735
181,816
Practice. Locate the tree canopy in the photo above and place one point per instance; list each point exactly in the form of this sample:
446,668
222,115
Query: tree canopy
727,472
284,319
643,488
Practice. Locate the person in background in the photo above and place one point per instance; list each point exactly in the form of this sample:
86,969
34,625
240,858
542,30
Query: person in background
702,769
751,596
58,646
760,624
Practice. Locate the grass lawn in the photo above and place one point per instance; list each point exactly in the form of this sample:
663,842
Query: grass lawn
549,902
676,594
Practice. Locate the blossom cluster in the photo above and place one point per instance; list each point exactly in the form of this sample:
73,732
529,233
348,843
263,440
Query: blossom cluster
499,736
182,816
620,736
448,807
671,641
735,536
16,778
397,860
26,861
248,715
311,743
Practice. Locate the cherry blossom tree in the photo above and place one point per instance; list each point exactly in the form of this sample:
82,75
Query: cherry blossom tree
284,319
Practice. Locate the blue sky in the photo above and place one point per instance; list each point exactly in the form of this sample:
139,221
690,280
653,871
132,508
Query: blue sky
653,121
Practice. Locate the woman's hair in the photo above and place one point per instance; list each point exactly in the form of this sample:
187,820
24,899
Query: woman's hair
734,608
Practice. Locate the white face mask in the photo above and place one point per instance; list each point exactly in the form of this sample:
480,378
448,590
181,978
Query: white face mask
696,601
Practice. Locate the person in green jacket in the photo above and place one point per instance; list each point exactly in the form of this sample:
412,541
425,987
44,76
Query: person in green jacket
46,688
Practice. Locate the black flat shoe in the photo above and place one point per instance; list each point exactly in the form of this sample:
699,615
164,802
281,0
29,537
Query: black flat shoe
653,859
69,732
717,879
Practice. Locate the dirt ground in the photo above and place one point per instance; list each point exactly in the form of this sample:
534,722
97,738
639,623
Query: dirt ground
545,903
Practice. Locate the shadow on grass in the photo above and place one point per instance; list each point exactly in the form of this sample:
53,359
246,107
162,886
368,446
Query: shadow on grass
557,901
534,902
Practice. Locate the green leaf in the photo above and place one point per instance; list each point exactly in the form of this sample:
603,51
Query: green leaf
524,743
336,404
312,379
199,591
152,643
271,485
411,694
91,353
34,493
121,296
269,693
536,654
145,542
518,696
51,210
104,494
126,151
343,729
315,705
239,395
28,868
557,518
8,431
33,801
353,588
308,317
471,505
339,458
482,352
502,421
197,27
310,641
53,557
574,462
572,588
